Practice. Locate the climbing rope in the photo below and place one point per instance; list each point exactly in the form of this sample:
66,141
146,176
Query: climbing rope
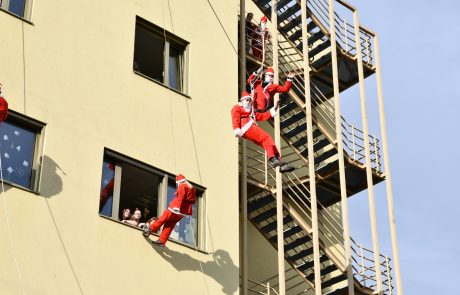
10,235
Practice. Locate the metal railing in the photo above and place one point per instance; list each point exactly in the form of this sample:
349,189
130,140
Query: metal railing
353,138
364,268
344,30
261,288
296,192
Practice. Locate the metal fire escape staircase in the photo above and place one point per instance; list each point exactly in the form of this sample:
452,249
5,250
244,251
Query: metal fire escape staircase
297,222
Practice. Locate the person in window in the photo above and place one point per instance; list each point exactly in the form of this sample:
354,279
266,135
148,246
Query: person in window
264,91
250,29
245,126
126,215
180,206
134,220
259,38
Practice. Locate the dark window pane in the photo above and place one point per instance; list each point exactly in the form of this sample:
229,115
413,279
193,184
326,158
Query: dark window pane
107,184
175,68
139,189
186,229
149,53
17,146
17,7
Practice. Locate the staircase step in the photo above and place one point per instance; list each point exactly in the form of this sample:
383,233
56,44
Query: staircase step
328,269
291,11
318,48
288,107
324,155
291,25
301,128
300,241
261,2
292,119
298,33
316,146
340,291
316,36
264,216
308,265
272,225
301,254
281,3
333,281
259,203
287,233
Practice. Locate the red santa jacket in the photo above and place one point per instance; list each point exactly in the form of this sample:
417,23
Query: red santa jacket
269,90
241,119
184,193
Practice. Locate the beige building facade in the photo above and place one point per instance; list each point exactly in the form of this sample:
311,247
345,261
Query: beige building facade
70,65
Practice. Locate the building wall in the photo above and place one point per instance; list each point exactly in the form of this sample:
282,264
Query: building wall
72,69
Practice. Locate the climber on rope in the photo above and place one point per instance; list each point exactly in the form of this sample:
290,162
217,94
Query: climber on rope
260,36
245,126
264,91
180,206
3,106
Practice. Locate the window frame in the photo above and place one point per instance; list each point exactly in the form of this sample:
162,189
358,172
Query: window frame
38,127
27,9
170,40
162,198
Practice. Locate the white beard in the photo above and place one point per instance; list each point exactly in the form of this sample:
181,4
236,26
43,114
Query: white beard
268,79
246,106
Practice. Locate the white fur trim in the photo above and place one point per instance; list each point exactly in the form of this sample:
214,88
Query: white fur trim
237,132
247,96
289,79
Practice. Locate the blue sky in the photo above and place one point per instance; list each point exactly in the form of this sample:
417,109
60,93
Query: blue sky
419,43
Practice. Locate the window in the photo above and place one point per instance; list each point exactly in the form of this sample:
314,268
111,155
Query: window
142,192
20,8
160,55
20,148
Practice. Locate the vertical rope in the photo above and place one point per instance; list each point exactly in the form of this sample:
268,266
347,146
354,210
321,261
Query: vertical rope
10,235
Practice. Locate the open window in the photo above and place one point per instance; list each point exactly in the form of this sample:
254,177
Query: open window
132,192
160,55
21,146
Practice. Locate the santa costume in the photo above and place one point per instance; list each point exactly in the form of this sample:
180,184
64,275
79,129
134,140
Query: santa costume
245,125
180,206
264,91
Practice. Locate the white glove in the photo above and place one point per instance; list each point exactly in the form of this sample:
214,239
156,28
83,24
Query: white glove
237,132
259,70
176,210
273,112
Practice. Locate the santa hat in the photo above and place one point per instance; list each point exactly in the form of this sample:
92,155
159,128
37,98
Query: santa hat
263,19
245,95
180,178
270,71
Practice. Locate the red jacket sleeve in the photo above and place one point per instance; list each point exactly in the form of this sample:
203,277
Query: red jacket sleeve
263,116
236,117
275,88
251,77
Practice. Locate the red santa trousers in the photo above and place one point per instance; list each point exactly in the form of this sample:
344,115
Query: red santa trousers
262,139
169,220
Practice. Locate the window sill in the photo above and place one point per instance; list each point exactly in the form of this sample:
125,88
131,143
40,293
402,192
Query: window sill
159,83
169,241
17,16
20,187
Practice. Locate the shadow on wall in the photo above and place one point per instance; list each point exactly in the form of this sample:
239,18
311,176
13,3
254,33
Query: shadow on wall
51,182
220,268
